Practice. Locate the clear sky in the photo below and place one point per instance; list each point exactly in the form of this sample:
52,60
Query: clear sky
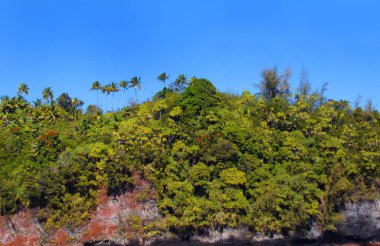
68,44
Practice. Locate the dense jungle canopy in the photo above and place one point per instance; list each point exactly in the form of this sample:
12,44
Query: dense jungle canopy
273,161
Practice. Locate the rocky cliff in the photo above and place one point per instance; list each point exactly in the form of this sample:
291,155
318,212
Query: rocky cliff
362,221
117,218
111,223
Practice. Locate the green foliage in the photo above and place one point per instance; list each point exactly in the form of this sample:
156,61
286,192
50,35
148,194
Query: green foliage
209,159
200,174
200,96
232,176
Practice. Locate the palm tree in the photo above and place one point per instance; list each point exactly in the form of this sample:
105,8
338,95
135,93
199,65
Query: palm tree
180,83
106,90
124,84
74,103
96,86
22,88
37,103
5,104
135,83
113,88
163,77
47,94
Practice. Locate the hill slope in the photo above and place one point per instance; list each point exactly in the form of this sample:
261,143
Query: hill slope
273,163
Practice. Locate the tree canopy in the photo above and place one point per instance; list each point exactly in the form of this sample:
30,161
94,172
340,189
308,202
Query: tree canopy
274,163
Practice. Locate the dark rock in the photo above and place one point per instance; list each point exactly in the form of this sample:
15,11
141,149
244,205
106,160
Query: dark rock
102,243
362,221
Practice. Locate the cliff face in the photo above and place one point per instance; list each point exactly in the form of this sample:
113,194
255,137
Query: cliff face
362,221
110,222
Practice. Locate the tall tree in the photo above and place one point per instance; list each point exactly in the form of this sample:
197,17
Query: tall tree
6,105
284,86
321,93
75,102
304,86
37,103
65,101
124,84
163,77
200,96
180,83
23,89
135,83
269,86
96,86
113,88
106,90
47,94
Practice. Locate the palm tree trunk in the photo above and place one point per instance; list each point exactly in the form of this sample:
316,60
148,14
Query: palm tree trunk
106,102
126,99
97,98
112,102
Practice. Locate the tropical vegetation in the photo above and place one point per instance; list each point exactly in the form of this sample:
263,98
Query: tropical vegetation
274,161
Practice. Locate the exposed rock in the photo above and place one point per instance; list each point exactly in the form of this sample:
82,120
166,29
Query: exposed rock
313,234
106,227
362,221
214,236
263,238
103,243
107,224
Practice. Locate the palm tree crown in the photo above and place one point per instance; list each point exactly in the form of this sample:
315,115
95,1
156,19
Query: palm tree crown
47,94
135,83
22,88
113,88
96,86
124,84
180,83
163,77
106,89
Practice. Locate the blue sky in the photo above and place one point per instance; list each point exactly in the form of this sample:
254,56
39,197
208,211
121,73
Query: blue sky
69,44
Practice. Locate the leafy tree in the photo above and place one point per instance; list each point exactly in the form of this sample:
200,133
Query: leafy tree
233,176
93,110
201,95
200,174
162,94
274,84
304,85
270,83
210,160
65,101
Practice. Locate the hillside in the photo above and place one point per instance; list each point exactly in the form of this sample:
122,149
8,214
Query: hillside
273,162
